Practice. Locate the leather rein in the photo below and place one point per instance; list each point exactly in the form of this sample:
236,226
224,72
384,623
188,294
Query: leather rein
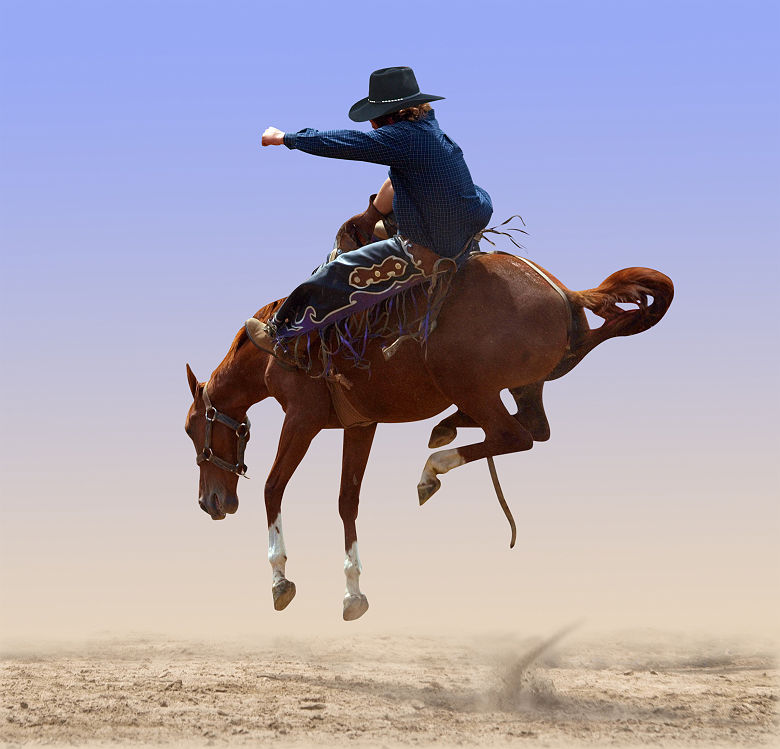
241,429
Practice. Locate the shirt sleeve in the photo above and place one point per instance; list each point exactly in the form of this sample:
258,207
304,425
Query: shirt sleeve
378,147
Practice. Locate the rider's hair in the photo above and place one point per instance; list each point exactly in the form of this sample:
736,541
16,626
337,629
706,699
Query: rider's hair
410,115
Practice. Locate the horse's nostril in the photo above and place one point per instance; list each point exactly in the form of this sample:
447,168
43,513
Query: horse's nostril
231,505
216,503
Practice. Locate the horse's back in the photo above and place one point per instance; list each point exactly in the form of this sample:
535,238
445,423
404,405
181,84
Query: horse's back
502,325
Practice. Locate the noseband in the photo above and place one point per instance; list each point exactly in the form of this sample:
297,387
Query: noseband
241,429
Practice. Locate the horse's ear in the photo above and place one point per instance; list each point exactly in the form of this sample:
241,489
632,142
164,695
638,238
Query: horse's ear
193,381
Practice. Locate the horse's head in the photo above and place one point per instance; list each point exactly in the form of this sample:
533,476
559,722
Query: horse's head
219,441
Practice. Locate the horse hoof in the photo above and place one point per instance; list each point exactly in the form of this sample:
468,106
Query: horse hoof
426,489
441,436
354,607
283,592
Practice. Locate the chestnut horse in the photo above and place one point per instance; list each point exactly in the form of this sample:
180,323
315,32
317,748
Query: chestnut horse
502,325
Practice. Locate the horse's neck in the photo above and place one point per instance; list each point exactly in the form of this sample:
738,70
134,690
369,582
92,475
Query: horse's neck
239,380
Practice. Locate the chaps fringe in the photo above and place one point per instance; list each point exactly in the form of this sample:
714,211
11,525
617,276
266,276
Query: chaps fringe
410,313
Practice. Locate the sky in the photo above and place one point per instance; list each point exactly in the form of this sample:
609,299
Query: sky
142,223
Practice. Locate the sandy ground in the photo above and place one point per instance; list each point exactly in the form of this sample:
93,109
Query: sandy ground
393,690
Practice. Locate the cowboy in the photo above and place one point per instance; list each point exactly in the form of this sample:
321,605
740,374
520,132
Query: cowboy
437,207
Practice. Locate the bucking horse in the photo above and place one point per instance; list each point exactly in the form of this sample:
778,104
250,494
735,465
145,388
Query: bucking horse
505,323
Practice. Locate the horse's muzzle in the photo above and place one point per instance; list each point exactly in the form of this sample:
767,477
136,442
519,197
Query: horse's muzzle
216,507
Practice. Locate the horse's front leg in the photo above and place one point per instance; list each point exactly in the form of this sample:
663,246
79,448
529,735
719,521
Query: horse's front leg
297,433
357,446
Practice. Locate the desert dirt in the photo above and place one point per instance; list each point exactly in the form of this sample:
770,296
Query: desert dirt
394,690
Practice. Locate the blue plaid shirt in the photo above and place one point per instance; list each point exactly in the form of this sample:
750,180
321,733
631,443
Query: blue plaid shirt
436,204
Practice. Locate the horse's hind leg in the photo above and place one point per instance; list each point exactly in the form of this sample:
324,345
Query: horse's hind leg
297,434
503,434
530,413
530,410
357,446
447,429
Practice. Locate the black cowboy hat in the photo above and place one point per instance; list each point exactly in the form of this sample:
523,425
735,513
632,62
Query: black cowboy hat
389,90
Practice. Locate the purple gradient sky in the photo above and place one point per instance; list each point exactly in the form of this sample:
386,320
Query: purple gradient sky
142,224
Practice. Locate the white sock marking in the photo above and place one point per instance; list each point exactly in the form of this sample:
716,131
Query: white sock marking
277,554
441,462
352,570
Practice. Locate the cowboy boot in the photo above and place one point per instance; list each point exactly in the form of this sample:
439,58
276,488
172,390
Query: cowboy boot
258,333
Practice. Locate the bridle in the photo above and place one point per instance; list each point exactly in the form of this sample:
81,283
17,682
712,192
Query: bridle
241,429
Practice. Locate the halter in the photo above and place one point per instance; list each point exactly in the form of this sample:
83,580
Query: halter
241,429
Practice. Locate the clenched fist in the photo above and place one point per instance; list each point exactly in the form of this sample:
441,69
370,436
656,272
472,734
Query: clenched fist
273,137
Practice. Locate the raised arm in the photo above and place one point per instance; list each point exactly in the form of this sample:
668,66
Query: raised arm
381,146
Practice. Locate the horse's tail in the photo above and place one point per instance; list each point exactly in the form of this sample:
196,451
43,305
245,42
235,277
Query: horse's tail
627,286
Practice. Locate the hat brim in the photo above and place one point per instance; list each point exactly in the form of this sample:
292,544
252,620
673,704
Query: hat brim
364,110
